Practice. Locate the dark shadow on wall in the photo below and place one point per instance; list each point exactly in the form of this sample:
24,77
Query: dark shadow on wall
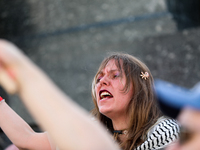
15,20
186,13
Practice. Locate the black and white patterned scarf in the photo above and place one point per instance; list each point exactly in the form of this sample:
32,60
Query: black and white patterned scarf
163,133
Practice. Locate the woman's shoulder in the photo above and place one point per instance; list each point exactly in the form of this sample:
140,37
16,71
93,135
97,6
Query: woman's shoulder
164,132
165,124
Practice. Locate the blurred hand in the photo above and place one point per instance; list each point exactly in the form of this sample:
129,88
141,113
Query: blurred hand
192,144
190,119
11,58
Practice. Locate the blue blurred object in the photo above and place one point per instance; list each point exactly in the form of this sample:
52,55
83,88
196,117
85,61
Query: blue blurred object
172,98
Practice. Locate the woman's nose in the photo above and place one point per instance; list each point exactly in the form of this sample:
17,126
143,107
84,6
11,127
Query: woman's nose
104,81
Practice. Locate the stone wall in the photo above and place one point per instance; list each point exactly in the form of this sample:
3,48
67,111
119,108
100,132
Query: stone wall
69,39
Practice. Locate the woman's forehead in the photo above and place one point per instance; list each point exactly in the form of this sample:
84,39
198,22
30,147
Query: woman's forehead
110,66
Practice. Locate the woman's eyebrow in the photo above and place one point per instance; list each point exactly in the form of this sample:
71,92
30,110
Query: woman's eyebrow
100,73
109,72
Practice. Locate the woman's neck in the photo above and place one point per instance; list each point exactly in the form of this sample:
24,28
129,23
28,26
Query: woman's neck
120,124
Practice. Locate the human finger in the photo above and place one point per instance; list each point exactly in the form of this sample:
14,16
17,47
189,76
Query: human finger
174,146
10,60
10,54
190,118
7,81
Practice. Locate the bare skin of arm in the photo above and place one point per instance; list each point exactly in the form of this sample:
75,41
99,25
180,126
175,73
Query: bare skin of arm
68,125
20,132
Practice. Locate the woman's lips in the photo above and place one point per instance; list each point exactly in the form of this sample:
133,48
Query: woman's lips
104,94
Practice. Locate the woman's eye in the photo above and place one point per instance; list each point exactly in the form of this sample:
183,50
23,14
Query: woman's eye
98,80
115,75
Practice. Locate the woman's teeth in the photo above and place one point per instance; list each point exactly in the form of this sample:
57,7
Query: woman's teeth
104,94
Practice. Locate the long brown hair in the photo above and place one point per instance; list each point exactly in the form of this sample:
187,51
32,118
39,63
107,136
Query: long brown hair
142,109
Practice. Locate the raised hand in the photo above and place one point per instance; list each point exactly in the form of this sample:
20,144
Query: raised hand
10,59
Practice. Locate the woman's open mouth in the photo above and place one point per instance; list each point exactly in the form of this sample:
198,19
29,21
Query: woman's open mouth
104,94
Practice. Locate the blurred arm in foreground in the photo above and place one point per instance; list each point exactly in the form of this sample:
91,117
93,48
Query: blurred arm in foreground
68,125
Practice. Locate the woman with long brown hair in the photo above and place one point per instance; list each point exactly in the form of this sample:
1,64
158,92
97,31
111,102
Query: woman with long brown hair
132,124
124,102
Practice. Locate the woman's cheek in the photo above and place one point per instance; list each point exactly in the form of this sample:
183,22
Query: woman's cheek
96,92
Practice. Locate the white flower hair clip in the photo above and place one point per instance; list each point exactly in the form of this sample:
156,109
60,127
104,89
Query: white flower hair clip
144,75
